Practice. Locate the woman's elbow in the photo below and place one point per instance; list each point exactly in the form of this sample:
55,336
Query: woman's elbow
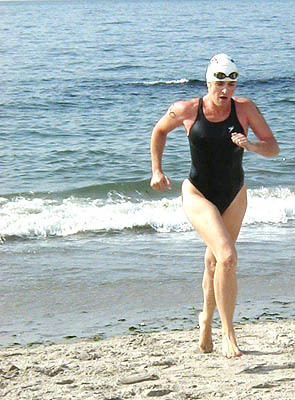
274,149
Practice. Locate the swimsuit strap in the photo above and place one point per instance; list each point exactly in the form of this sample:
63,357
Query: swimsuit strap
233,110
200,108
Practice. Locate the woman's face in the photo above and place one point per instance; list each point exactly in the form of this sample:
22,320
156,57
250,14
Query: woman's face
221,92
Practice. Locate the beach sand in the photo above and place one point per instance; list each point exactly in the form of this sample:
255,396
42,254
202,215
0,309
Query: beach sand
166,365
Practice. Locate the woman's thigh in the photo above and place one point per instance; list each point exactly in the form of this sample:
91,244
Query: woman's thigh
234,214
232,219
206,219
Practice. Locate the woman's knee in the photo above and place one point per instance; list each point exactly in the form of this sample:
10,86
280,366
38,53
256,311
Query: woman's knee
210,262
228,260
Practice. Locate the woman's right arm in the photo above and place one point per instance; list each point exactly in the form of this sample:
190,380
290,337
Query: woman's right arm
171,120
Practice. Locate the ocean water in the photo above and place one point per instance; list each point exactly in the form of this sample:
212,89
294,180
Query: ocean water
87,248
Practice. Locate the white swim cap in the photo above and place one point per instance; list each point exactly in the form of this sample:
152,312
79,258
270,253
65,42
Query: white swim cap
221,68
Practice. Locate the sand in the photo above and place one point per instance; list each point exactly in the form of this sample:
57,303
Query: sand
166,365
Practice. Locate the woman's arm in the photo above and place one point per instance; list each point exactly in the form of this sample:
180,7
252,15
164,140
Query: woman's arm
267,145
172,119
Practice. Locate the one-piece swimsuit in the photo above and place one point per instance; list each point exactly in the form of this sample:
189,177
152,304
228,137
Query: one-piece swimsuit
216,169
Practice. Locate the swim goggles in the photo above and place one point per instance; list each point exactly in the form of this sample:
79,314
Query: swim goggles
222,75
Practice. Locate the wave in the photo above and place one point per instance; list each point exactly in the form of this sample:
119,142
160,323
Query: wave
134,190
270,206
147,83
41,217
281,82
92,85
163,82
244,81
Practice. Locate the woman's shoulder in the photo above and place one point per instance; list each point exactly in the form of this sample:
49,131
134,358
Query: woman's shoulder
244,104
243,101
245,109
186,107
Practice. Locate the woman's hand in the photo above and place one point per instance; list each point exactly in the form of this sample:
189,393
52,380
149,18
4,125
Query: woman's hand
240,140
160,182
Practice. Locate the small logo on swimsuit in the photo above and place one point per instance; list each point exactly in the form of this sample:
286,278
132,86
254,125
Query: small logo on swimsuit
230,129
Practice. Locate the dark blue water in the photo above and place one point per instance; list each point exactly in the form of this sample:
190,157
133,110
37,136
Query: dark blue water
87,247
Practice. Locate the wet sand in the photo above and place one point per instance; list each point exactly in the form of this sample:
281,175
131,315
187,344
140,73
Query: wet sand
166,365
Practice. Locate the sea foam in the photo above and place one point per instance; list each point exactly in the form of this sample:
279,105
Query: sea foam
43,217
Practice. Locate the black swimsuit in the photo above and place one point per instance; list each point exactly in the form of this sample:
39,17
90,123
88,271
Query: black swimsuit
216,169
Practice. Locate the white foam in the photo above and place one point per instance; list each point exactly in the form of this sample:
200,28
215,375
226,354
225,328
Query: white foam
270,206
39,217
171,82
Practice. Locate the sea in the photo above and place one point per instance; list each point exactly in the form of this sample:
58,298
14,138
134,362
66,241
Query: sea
88,249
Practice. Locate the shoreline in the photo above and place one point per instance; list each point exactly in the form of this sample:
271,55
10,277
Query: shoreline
165,365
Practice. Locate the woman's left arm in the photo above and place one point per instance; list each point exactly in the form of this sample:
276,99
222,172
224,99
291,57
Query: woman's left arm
267,145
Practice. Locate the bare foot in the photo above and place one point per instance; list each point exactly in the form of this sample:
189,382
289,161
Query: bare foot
205,340
230,348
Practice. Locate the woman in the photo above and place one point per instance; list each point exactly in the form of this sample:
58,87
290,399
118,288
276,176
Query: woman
214,196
